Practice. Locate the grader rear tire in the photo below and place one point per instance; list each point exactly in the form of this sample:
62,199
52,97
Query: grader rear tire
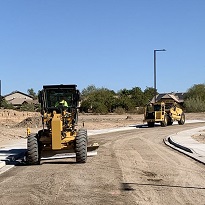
33,151
81,146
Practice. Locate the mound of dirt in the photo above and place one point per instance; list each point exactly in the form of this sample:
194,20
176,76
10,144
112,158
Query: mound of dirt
31,122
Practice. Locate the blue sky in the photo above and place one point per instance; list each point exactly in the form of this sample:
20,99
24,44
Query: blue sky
106,43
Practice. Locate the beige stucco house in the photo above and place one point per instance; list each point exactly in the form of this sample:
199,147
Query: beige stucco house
18,98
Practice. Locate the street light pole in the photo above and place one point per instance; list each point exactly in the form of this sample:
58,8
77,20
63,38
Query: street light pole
155,72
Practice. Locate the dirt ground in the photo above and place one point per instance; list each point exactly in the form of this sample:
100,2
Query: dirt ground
14,124
131,167
201,137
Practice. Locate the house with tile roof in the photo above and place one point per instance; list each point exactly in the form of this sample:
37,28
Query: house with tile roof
18,98
170,97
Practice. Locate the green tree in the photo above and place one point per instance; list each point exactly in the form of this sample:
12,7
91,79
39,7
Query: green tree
194,99
87,91
137,96
87,97
100,100
196,91
32,93
126,103
105,100
148,94
124,100
124,92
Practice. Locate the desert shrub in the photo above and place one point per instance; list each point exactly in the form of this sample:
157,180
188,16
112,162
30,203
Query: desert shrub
6,104
136,110
37,108
119,110
194,105
100,108
27,107
140,110
196,92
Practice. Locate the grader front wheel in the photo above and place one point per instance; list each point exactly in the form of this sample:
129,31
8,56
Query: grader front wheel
33,151
81,146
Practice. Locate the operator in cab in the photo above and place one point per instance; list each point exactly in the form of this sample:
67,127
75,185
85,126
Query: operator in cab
62,102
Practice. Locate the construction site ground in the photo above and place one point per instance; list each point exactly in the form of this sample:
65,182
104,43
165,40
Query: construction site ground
14,124
132,166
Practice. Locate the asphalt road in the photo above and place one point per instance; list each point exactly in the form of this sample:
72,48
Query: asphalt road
132,167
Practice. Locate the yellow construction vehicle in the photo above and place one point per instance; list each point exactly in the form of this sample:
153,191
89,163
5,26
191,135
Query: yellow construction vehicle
59,135
164,113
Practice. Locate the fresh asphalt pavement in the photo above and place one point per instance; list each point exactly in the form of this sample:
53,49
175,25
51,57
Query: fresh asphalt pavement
10,154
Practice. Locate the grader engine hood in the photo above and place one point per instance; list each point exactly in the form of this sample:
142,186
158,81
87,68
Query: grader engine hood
56,127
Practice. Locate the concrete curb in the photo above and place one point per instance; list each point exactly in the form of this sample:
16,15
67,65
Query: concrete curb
109,130
194,150
171,141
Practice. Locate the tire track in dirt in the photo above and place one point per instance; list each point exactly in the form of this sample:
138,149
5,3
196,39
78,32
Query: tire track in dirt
132,167
158,165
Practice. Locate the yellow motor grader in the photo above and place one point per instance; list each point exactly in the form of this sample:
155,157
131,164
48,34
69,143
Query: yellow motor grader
59,135
163,113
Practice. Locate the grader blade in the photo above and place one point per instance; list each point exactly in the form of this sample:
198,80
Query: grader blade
68,155
91,151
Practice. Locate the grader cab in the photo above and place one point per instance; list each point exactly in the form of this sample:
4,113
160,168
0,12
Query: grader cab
59,134
163,113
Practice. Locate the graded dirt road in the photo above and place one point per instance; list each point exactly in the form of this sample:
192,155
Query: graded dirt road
132,167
